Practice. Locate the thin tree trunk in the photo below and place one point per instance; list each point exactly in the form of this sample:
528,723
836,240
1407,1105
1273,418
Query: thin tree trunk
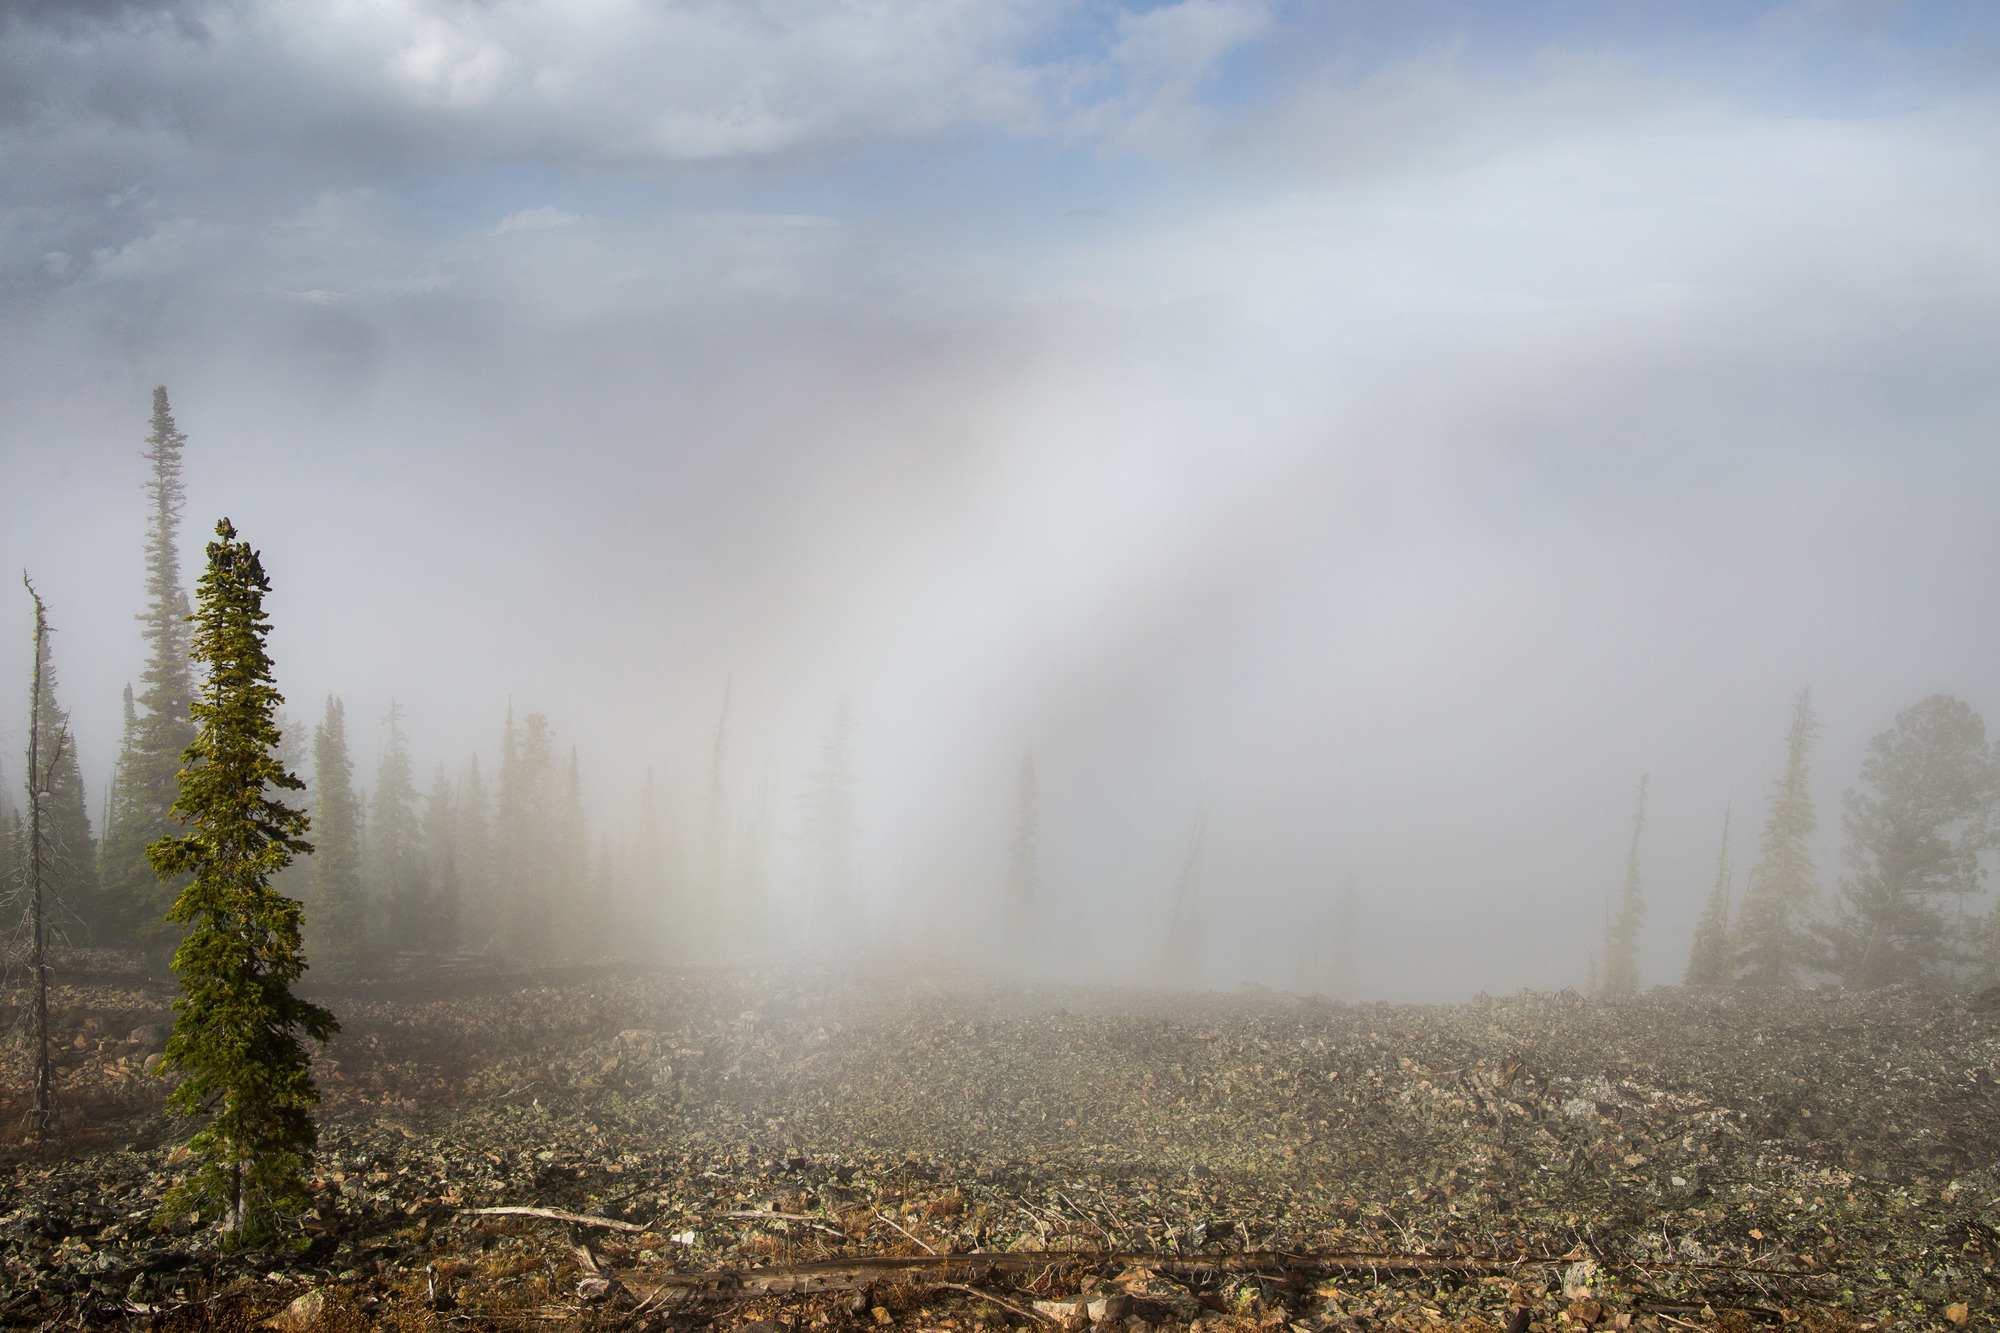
42,1111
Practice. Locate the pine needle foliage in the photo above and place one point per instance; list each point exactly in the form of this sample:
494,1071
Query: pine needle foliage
149,761
1710,961
237,1025
1775,940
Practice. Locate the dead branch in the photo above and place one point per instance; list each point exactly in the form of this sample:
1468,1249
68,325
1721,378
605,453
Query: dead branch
554,1215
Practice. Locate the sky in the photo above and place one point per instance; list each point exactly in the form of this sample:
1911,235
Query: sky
1375,434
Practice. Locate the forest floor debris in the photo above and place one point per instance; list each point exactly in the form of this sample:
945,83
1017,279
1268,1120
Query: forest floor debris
977,1156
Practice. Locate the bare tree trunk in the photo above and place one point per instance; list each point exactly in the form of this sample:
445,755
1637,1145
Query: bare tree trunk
42,1111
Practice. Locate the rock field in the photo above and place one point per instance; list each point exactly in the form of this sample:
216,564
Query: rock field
1538,1163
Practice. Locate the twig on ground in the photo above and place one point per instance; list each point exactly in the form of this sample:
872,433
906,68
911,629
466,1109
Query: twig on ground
882,1217
554,1215
1002,1303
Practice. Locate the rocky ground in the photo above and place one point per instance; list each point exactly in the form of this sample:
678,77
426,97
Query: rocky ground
1538,1163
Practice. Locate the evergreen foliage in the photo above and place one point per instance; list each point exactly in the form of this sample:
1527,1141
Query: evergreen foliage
1914,839
149,762
338,923
1621,941
440,855
1775,940
395,848
1711,962
473,850
45,751
525,835
237,1025
68,852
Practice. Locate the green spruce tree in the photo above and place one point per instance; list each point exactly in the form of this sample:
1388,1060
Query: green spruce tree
1711,962
1775,942
1621,945
237,1024
135,901
337,925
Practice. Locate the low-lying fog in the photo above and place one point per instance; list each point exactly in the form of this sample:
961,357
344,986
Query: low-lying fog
1346,453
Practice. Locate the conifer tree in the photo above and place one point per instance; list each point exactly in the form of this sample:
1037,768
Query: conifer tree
526,835
149,764
1711,962
42,765
68,854
474,845
395,850
830,808
1915,836
338,922
1775,941
1621,945
440,842
237,1024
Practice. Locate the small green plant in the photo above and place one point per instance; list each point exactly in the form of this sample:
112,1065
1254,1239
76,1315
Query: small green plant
237,1025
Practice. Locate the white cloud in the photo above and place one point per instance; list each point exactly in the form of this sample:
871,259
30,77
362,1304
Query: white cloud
535,219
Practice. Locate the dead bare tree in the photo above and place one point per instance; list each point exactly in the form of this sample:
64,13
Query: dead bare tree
43,1117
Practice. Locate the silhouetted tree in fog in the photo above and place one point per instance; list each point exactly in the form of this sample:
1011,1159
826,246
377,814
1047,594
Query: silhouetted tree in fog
336,920
1774,938
1621,941
395,850
1711,962
149,763
67,854
526,836
440,860
474,846
46,748
1914,837
830,821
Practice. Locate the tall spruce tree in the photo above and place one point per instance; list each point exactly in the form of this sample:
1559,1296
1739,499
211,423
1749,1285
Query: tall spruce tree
135,901
439,835
1621,943
526,836
337,924
395,843
42,764
1915,836
1711,962
1775,941
474,846
237,1024
68,854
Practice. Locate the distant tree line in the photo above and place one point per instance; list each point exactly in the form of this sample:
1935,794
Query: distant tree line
1908,907
494,858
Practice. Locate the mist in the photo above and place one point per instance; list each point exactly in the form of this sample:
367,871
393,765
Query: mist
1346,451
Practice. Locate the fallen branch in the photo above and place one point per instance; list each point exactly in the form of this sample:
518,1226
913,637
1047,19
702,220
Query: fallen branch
555,1215
881,1217
1003,1304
